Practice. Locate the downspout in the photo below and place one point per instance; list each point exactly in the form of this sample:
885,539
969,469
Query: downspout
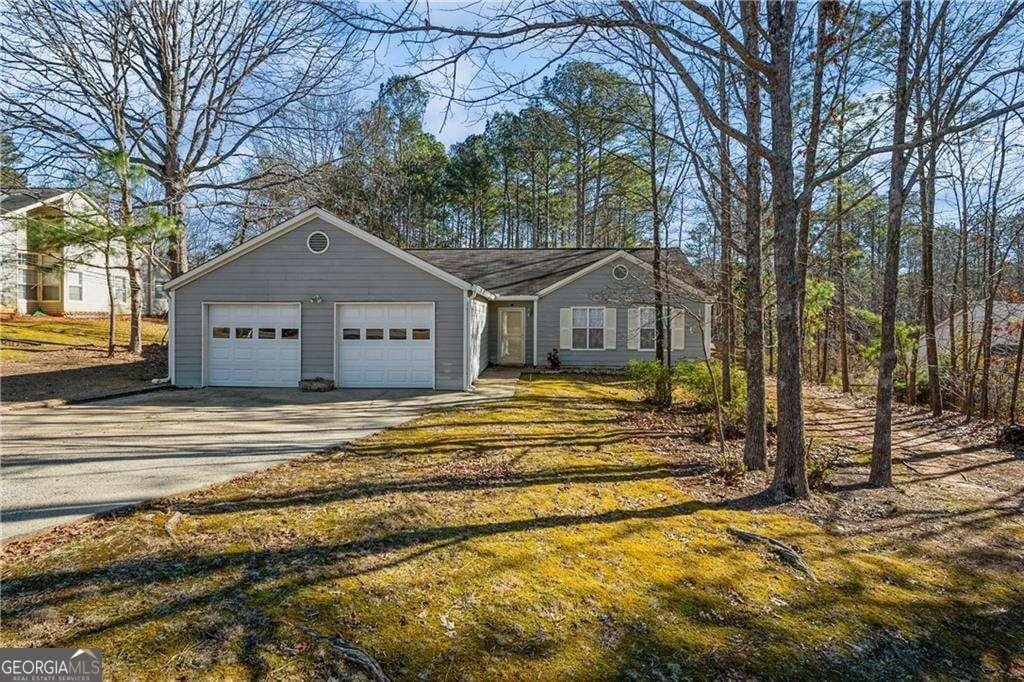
467,297
536,302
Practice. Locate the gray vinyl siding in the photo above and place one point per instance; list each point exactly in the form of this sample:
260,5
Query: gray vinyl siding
493,326
599,288
284,270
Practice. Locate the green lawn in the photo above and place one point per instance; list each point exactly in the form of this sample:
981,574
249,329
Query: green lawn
76,331
529,539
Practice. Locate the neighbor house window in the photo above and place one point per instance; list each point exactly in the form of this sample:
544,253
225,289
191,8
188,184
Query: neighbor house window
30,283
587,328
121,290
646,327
51,284
75,286
29,276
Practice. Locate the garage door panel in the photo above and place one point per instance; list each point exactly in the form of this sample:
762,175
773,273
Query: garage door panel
421,354
386,362
249,360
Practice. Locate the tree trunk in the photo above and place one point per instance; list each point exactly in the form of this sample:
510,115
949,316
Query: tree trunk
659,294
110,297
986,352
177,251
839,248
928,279
810,156
790,478
1015,387
135,293
881,450
725,227
915,348
755,446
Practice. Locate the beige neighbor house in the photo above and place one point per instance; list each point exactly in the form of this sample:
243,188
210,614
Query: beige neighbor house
58,280
1007,316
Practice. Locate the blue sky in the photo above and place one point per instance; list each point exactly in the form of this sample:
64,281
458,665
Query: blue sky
451,121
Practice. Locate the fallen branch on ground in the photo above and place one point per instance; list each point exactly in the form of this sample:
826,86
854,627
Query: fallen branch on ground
351,653
784,552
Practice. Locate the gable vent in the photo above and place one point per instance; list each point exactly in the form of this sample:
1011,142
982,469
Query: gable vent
317,242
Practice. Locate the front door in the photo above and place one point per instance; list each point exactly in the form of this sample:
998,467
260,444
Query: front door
511,336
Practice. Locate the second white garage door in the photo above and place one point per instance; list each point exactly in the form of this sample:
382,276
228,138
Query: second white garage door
253,344
386,345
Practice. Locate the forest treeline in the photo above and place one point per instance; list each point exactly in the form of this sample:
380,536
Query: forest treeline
565,170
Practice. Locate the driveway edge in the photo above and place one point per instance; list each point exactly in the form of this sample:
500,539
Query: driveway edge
60,402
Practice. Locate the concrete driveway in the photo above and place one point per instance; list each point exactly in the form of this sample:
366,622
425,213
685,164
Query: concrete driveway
61,464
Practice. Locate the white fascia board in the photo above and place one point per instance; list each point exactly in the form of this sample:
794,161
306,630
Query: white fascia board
691,290
333,220
585,271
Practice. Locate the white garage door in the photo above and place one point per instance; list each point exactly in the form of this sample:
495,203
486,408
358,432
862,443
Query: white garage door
253,344
386,345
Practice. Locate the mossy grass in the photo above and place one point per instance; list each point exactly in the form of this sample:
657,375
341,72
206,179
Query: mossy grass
72,331
532,538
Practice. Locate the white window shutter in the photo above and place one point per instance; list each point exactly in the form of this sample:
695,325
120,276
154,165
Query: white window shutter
565,328
610,328
633,329
678,329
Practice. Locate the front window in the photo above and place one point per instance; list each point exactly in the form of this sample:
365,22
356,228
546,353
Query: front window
587,328
645,322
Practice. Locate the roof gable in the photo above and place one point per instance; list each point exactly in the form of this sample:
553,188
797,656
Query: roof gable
332,220
16,201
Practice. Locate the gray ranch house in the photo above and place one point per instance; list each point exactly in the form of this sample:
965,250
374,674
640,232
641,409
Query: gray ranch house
318,297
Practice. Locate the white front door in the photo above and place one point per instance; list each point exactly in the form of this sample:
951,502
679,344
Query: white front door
253,344
511,336
385,345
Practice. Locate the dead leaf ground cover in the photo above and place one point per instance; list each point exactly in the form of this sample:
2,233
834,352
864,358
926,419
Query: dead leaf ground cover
535,538
44,358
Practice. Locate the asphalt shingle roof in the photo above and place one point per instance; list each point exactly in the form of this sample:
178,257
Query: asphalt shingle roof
524,272
15,199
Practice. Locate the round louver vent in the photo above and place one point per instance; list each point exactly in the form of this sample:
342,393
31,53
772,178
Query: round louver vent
619,272
317,242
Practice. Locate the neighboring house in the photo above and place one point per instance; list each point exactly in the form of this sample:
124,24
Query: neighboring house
60,281
1006,318
318,297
